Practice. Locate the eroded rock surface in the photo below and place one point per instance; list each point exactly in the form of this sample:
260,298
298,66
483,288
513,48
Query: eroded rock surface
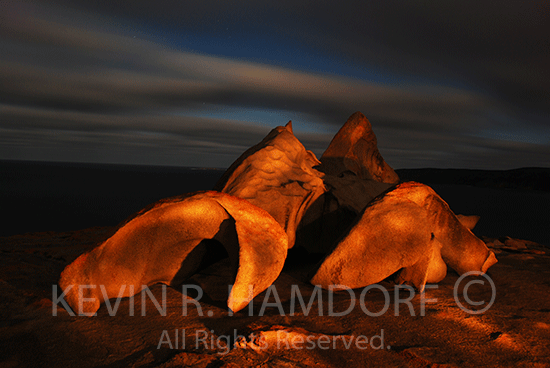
37,331
410,229
154,245
314,201
354,148
277,175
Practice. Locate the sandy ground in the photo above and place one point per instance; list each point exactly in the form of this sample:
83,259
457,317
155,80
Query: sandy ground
513,332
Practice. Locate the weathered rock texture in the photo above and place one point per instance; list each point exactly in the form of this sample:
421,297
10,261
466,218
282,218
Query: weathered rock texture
37,331
461,249
355,173
274,195
153,245
312,200
277,175
392,233
354,148
410,229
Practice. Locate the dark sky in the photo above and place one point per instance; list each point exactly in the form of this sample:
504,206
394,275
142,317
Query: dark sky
449,84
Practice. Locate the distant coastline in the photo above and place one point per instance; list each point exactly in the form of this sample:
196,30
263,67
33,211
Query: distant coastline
62,196
529,178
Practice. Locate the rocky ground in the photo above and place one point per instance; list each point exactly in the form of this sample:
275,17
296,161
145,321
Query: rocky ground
382,328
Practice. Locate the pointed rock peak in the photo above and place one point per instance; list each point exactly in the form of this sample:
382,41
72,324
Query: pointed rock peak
354,148
277,175
357,122
288,126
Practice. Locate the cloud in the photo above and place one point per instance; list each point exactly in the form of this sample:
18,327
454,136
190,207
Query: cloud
500,48
71,84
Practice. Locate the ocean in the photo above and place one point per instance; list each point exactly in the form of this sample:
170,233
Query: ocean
47,196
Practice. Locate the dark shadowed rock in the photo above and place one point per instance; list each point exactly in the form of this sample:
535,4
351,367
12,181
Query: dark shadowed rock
355,173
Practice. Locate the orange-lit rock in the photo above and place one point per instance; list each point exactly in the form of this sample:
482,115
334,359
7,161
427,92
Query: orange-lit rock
461,250
282,177
152,245
355,173
391,234
277,194
409,228
468,221
354,148
277,175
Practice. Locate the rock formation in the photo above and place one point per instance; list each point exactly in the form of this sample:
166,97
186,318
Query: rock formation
278,194
392,233
311,199
355,173
409,229
153,244
354,148
277,175
469,221
461,249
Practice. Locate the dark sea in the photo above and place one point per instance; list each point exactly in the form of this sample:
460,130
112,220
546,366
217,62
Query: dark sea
45,196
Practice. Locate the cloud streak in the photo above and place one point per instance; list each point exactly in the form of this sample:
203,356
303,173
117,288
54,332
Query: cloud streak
73,89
